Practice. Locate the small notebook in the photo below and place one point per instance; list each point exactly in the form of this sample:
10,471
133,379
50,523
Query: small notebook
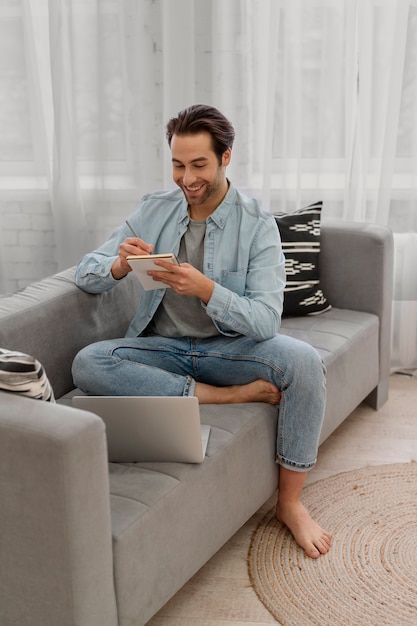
140,264
150,428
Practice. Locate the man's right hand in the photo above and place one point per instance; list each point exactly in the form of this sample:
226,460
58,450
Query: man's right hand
131,245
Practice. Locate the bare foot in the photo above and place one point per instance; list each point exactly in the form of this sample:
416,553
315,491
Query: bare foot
307,533
258,391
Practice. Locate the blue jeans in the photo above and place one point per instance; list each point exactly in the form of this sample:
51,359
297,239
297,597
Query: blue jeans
154,365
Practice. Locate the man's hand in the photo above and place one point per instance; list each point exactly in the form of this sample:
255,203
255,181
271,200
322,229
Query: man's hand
184,279
131,245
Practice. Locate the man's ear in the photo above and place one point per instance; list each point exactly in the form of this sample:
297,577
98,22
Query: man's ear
226,158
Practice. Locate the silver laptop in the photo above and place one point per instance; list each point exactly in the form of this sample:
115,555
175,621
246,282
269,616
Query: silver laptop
150,428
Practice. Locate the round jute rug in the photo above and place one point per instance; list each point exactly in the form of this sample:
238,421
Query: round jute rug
369,576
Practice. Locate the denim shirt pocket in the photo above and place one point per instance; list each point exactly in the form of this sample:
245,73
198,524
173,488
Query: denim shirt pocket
235,281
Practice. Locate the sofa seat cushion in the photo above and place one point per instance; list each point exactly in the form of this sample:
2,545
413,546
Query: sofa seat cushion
347,342
164,509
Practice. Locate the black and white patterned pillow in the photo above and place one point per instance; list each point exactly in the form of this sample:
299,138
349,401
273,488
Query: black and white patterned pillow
23,374
300,236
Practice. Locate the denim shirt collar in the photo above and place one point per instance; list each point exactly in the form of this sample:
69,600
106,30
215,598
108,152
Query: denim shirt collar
183,216
219,216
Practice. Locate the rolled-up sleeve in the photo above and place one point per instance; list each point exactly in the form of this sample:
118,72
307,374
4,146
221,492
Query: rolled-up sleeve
93,273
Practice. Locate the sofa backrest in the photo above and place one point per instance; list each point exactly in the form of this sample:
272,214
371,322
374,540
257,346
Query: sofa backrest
53,319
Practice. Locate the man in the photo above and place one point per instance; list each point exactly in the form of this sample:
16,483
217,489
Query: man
213,332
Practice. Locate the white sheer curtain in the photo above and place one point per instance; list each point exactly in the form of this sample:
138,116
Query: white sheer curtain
322,93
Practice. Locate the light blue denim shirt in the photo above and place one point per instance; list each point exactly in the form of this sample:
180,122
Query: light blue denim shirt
242,254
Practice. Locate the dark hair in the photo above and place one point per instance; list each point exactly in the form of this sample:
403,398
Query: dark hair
199,118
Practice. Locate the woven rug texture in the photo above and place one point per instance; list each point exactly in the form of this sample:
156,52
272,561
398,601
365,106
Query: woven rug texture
369,576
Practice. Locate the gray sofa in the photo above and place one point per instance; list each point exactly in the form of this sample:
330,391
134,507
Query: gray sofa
84,543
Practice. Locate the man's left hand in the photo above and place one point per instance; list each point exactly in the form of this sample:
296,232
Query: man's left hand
184,279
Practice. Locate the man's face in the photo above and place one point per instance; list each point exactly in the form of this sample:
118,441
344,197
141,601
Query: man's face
197,171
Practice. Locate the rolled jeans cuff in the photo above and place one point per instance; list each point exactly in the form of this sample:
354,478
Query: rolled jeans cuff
292,465
189,387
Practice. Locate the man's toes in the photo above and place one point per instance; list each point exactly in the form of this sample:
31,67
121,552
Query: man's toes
323,546
313,552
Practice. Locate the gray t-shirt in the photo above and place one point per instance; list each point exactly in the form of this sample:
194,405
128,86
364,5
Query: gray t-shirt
184,316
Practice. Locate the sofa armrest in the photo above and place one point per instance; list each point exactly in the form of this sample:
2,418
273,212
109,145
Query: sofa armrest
356,272
55,541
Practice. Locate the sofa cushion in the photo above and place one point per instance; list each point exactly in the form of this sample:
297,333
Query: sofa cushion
23,374
174,516
300,236
347,341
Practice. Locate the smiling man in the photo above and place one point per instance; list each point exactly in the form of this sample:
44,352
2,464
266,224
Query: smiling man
213,332
199,172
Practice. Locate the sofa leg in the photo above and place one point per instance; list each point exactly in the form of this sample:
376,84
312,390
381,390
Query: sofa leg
379,395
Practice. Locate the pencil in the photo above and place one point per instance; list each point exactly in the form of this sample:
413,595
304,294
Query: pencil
130,228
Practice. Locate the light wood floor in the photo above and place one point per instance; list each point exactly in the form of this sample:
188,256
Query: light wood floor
220,593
